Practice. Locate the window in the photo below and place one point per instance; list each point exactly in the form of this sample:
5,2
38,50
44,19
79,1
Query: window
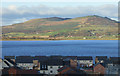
58,66
43,72
90,60
51,71
42,66
50,66
45,66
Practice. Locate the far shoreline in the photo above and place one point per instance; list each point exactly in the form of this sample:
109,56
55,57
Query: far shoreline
58,39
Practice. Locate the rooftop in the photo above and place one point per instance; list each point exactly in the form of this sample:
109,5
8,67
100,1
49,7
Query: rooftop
101,57
9,57
24,59
84,58
115,60
53,62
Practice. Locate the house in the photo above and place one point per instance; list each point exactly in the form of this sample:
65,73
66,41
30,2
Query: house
24,62
99,68
12,58
73,63
85,61
113,66
66,61
15,71
69,71
38,60
4,66
57,56
44,67
100,59
36,64
70,61
51,66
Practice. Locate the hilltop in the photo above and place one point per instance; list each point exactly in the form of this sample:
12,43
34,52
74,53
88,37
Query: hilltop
88,27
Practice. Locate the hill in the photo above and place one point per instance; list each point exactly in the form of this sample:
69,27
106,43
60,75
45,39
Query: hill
88,27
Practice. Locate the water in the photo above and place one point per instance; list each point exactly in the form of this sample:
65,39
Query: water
61,47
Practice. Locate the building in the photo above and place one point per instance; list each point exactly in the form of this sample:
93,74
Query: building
12,58
15,71
112,69
51,66
99,68
115,60
69,71
38,61
100,59
66,61
113,66
24,62
4,66
70,61
85,61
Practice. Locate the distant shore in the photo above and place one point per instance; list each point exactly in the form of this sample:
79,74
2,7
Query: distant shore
53,39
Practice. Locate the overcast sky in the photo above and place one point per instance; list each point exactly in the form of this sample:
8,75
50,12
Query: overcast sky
16,12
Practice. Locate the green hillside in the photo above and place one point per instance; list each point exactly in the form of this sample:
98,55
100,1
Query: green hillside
88,27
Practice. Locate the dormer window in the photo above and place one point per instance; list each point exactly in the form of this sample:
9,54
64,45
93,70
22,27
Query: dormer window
51,71
42,66
50,66
58,66
45,66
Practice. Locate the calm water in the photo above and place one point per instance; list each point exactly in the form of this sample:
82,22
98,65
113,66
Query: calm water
63,47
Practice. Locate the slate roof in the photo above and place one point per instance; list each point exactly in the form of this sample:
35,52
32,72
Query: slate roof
115,60
103,64
71,57
84,58
24,59
51,61
56,56
54,62
101,57
40,58
69,70
9,57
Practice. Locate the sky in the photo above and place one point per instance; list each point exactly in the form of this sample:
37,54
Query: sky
21,11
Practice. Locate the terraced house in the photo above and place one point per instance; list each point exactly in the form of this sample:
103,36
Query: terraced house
51,66
85,61
24,62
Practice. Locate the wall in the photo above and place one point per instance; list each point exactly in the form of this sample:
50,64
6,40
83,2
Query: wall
53,69
99,69
86,62
25,65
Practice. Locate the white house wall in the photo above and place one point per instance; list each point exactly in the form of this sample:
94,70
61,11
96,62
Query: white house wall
53,69
87,62
25,65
